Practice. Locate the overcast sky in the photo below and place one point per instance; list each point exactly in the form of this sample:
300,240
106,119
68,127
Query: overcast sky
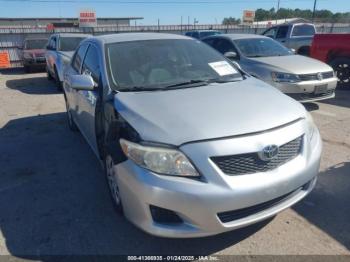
168,11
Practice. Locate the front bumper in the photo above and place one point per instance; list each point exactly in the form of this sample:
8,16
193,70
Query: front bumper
199,203
40,61
305,91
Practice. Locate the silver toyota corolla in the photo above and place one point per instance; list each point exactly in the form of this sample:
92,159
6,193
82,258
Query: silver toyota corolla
300,77
191,146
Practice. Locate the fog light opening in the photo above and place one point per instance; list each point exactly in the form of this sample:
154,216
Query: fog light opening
164,216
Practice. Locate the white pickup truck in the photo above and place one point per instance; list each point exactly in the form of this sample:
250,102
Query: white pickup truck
297,36
59,51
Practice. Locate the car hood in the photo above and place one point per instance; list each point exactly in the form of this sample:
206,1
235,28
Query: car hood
295,64
68,54
219,110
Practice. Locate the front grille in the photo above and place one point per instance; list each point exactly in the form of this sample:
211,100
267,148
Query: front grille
251,163
306,96
229,216
310,77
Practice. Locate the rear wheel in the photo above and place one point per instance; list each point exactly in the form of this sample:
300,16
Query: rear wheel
112,180
341,67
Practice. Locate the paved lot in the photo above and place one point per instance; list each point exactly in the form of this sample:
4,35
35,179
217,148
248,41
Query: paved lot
54,199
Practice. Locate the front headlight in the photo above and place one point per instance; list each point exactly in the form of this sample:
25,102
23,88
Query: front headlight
284,77
159,160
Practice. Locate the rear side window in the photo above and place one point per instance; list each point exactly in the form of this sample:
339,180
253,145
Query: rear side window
282,32
78,58
91,63
223,46
271,32
209,41
303,30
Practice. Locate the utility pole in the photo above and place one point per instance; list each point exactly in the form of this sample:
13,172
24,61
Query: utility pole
278,5
313,13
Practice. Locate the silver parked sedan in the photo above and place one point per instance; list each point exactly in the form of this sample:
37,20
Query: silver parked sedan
191,145
300,77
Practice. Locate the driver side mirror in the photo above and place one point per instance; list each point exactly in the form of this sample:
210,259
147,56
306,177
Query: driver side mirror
81,82
231,55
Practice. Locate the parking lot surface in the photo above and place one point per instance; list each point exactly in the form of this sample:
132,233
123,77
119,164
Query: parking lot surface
54,199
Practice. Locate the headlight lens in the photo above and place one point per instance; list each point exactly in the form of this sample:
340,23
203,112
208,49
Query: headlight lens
160,160
284,77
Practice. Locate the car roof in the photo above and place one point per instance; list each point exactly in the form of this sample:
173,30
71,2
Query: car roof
209,30
127,37
237,36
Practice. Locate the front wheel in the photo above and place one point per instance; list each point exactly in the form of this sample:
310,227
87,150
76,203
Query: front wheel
112,180
341,67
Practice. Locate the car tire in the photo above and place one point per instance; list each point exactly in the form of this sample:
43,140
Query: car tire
71,124
341,67
57,80
48,74
112,181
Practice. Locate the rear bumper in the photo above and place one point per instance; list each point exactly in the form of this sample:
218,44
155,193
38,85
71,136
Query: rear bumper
200,204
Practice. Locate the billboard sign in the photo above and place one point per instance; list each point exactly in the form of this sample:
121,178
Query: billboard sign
248,16
87,18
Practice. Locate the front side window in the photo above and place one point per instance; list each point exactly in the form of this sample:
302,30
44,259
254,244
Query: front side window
271,32
303,30
53,44
69,43
158,64
282,32
91,63
78,57
261,47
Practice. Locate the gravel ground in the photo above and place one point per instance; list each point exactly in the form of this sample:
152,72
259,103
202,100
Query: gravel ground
54,199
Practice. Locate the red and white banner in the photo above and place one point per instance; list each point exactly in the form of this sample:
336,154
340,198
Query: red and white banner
87,18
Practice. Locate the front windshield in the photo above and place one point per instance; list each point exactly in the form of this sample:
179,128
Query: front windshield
70,43
261,47
159,64
35,44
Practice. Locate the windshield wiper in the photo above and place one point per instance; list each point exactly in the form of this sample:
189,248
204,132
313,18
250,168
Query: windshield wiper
137,89
189,83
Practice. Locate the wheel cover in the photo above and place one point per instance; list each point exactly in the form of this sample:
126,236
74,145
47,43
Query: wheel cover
112,180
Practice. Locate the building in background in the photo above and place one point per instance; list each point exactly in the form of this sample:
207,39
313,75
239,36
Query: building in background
63,22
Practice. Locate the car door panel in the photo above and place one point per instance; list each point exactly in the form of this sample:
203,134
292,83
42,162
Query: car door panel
87,100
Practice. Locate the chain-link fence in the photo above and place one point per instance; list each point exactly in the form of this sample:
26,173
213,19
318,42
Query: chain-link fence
11,39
